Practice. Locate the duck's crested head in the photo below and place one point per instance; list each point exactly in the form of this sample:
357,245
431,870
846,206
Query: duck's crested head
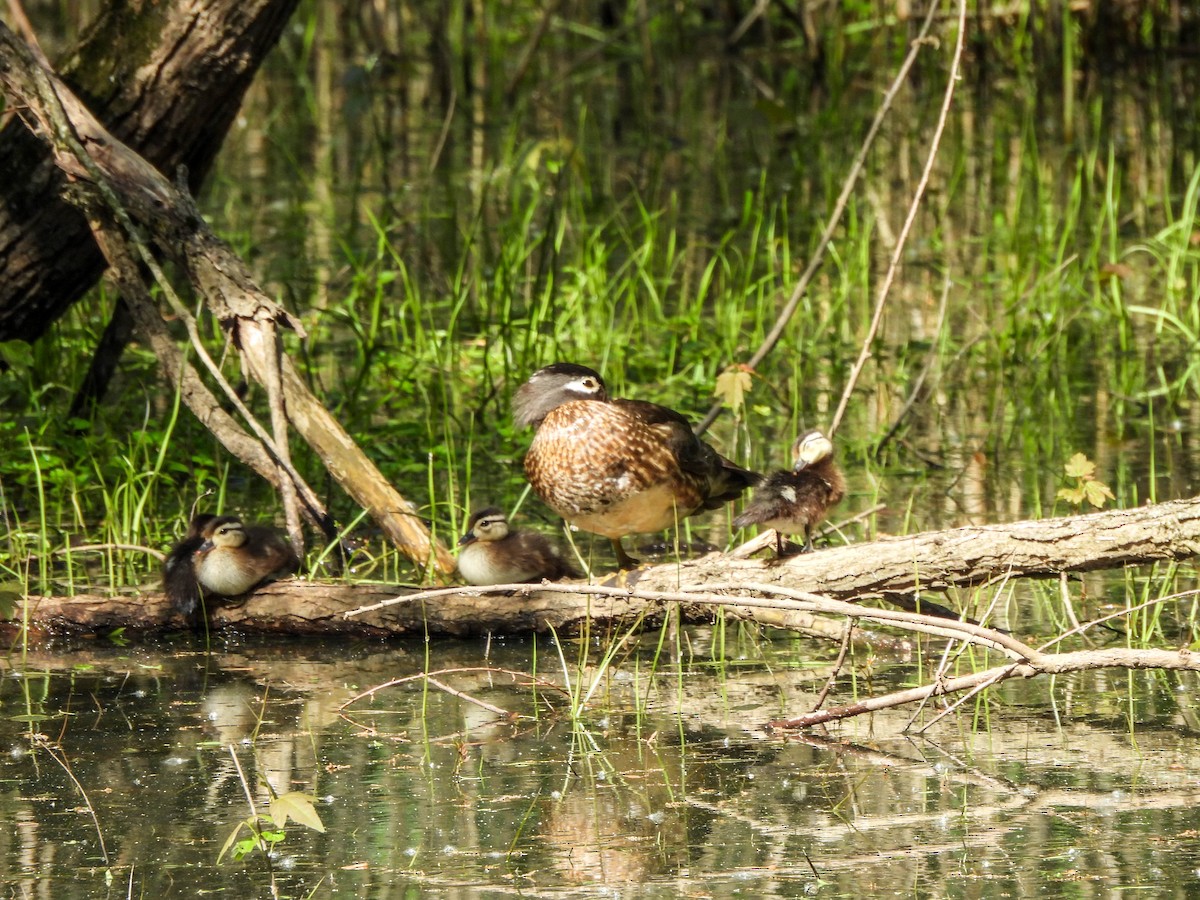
551,387
486,525
223,531
810,449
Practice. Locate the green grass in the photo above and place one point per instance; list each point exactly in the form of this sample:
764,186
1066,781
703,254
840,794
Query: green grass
658,248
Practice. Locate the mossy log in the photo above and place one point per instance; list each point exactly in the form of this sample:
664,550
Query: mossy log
896,569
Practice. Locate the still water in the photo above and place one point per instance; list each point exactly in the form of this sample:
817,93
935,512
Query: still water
480,783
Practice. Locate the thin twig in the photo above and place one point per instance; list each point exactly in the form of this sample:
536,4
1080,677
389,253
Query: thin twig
973,692
835,216
773,597
1120,613
133,548
901,242
837,667
919,384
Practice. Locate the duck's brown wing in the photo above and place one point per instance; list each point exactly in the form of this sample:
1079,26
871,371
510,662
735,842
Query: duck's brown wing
273,554
545,557
721,479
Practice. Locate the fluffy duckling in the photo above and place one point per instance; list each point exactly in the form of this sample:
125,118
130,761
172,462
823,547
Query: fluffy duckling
234,558
179,570
793,502
494,553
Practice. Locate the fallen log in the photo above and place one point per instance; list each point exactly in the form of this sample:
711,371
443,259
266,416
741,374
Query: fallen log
890,568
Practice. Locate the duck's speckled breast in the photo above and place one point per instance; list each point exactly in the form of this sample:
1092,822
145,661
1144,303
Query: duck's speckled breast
607,471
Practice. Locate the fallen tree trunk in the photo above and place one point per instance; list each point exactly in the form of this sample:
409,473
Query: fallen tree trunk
896,568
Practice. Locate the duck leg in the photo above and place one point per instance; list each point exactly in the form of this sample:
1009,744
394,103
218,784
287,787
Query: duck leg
624,560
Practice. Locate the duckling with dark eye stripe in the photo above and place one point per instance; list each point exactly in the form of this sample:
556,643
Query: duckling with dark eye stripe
613,466
495,553
793,502
236,558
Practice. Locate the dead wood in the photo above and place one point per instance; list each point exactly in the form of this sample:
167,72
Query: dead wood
774,595
167,79
121,193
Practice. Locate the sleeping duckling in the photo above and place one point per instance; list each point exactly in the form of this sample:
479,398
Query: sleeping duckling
494,553
793,502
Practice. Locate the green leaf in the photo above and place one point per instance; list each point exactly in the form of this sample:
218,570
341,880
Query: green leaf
298,807
11,594
229,841
16,354
244,848
1079,466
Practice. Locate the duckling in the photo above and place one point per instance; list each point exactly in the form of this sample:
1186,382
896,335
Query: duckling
494,553
234,558
179,570
793,502
614,466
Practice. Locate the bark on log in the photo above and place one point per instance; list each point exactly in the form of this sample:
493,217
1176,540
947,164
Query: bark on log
167,80
889,567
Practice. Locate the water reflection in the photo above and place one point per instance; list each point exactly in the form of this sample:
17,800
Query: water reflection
667,783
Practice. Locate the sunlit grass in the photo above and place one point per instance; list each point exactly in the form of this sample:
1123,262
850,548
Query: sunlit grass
660,260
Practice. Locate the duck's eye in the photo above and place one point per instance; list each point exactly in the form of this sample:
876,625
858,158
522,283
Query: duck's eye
589,384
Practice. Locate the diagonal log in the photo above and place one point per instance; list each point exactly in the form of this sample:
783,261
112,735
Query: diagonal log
134,191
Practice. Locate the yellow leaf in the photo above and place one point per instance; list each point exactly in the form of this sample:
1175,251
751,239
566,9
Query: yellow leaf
1097,491
1071,495
732,386
1079,466
297,806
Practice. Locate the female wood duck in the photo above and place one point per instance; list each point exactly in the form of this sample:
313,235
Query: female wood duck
494,553
221,556
617,467
793,502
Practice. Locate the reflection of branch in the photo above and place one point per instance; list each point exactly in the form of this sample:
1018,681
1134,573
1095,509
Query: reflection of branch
1025,661
430,678
86,802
